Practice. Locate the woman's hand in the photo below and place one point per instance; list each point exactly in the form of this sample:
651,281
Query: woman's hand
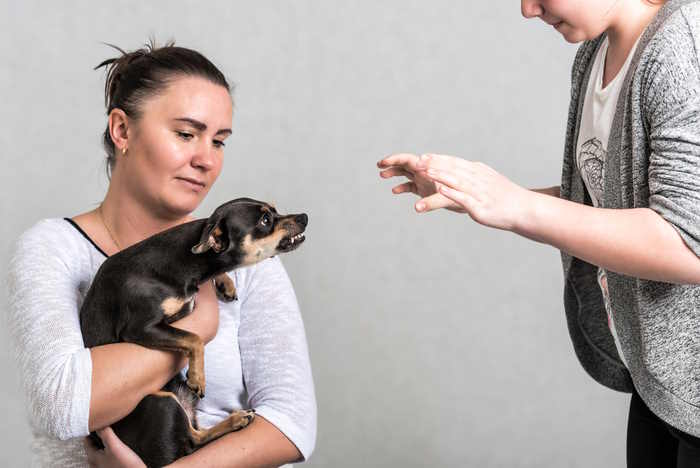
116,453
472,187
204,319
407,165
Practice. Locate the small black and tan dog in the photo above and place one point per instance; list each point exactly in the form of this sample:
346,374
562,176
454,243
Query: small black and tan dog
138,292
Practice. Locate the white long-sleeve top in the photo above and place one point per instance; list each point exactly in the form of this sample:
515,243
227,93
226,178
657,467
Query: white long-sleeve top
258,359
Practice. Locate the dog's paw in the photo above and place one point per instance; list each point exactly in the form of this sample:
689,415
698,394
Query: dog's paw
225,289
241,418
196,385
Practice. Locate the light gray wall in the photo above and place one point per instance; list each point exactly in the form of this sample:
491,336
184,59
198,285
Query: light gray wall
434,341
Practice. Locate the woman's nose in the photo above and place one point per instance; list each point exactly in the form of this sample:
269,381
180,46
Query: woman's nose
531,8
204,157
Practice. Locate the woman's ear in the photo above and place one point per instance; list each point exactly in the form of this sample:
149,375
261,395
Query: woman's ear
118,123
214,236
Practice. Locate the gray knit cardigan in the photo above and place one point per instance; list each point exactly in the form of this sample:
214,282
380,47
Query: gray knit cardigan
653,161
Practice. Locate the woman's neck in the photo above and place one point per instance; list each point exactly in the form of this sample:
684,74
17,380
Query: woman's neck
630,17
129,221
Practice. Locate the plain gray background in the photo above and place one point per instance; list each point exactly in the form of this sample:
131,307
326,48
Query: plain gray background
434,341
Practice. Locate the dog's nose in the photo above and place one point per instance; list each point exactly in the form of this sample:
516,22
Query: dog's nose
302,219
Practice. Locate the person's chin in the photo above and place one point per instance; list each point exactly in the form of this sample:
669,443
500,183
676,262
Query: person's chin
572,36
184,204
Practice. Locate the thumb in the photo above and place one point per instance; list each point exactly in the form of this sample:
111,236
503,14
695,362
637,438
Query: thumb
434,202
109,438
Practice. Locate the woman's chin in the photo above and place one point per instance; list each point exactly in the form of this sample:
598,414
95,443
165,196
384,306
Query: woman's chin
183,205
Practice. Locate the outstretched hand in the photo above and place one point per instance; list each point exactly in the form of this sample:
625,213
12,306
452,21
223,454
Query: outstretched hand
469,187
407,165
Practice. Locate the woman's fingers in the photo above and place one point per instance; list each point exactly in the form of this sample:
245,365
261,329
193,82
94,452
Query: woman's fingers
116,452
456,180
401,159
466,201
405,187
109,438
396,172
442,162
433,202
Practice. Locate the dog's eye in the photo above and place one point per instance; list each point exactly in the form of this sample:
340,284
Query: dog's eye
266,220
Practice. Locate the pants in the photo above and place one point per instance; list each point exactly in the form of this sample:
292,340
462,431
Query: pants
652,443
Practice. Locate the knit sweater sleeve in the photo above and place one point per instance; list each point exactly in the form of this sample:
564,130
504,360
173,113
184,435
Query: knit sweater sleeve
274,355
671,104
55,367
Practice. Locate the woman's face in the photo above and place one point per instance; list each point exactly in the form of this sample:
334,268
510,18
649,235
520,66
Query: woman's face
175,150
576,20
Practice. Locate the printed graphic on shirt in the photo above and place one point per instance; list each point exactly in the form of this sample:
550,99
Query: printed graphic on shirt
603,282
590,161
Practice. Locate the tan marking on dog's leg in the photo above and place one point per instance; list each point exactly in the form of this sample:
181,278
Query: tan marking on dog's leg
195,372
235,422
225,288
172,305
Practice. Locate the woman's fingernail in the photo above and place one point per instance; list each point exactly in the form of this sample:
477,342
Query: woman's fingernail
420,206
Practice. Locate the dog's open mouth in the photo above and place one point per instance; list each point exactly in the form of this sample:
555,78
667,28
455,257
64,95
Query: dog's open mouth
290,242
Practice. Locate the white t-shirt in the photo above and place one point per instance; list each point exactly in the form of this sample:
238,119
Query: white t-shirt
258,359
596,121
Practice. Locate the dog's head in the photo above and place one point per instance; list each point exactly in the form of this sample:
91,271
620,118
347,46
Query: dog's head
250,231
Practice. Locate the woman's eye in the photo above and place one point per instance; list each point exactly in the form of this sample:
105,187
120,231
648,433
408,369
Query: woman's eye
185,136
219,143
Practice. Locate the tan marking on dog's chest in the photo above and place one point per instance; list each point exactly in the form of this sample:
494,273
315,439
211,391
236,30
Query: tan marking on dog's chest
173,305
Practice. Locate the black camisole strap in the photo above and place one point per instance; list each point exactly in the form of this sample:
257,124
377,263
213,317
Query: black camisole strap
80,230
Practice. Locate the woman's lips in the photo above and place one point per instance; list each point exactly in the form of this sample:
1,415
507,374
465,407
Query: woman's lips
193,184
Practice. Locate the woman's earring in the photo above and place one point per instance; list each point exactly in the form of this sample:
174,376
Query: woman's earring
124,151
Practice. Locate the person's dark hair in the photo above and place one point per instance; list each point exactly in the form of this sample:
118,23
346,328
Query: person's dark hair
135,76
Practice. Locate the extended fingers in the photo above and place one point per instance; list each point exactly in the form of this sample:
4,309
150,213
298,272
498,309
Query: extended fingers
466,201
401,159
456,179
443,162
405,187
395,171
433,202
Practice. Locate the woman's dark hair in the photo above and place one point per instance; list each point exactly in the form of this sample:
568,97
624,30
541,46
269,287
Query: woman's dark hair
135,76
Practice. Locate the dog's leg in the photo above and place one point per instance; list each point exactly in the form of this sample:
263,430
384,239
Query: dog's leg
225,288
235,422
163,336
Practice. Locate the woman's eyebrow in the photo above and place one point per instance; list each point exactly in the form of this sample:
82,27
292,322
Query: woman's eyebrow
201,126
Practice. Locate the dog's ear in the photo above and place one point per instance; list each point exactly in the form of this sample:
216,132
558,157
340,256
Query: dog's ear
214,236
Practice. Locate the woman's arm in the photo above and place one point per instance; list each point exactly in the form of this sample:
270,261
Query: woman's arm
551,191
260,444
635,242
124,373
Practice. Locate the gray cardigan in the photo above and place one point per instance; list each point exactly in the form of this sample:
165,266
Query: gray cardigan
653,161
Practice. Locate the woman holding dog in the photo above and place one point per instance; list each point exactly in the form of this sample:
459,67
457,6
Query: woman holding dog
169,114
626,216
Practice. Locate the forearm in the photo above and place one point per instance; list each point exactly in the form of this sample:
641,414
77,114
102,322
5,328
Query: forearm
259,445
635,242
551,191
124,373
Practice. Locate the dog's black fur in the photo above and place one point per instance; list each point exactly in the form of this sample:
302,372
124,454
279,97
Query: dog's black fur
139,291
